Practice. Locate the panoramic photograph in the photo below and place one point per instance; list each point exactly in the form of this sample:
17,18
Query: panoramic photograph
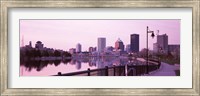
99,47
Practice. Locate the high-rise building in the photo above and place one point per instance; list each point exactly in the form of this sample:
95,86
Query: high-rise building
162,43
101,44
119,45
78,48
134,43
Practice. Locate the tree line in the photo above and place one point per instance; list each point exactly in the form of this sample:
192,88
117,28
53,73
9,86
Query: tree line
35,52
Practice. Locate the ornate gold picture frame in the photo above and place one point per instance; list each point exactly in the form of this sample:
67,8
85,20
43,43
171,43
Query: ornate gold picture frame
6,4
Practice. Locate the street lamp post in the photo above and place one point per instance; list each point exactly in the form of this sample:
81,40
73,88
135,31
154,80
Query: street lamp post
152,35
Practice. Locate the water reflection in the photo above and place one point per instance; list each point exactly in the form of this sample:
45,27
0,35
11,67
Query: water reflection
33,67
39,64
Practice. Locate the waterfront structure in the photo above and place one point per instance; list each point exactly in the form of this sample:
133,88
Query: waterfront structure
78,48
162,43
119,45
39,45
101,44
134,43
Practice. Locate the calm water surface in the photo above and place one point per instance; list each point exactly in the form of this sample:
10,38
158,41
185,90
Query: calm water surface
46,68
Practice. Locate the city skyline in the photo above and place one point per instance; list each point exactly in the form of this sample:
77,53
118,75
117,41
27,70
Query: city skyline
66,34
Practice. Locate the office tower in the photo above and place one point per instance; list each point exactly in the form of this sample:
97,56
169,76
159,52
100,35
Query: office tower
162,41
119,45
134,43
101,44
78,48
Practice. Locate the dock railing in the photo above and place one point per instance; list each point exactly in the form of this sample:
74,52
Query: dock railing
122,70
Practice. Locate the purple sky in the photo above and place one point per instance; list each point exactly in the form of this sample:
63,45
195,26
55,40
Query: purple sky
65,34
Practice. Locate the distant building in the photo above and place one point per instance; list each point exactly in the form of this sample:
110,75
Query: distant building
101,44
128,48
92,49
134,43
173,48
78,48
119,45
30,44
72,50
155,47
109,48
39,45
95,49
162,43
